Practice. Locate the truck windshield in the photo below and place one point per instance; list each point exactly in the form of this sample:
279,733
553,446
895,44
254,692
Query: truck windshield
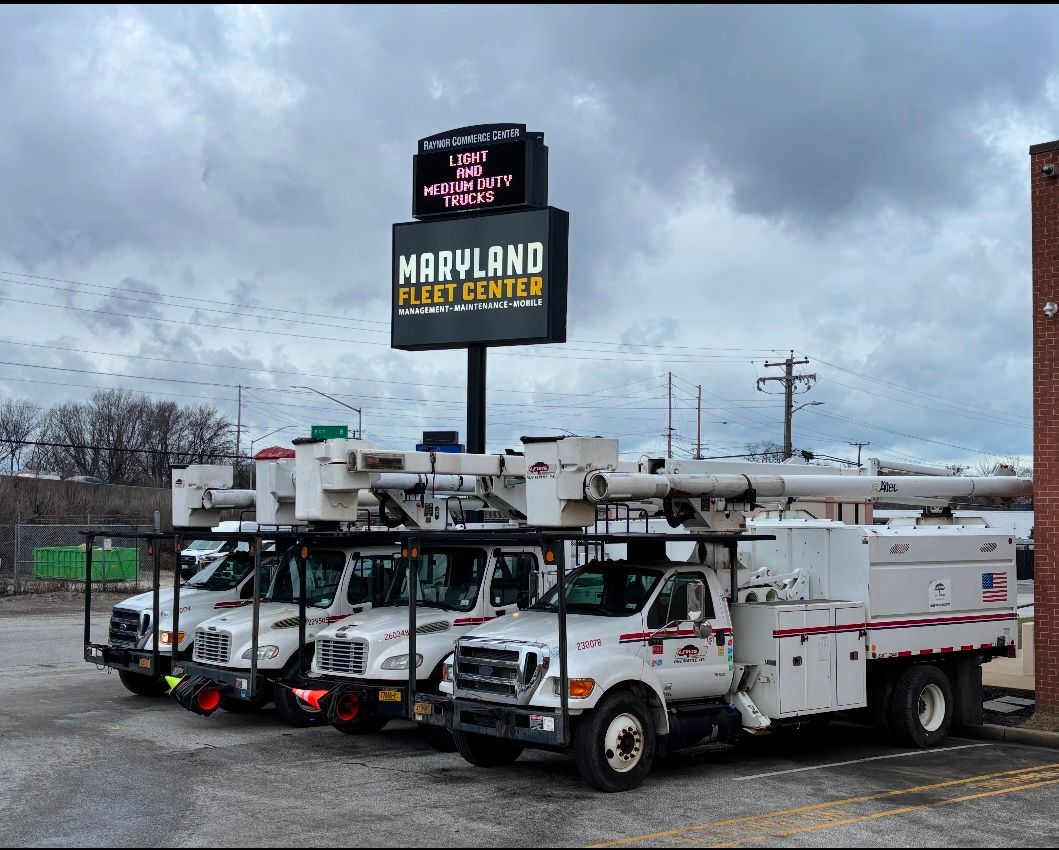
204,545
226,574
323,574
608,590
448,578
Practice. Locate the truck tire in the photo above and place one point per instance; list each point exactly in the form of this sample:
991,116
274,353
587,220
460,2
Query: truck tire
921,706
143,686
485,750
439,738
293,712
363,726
614,745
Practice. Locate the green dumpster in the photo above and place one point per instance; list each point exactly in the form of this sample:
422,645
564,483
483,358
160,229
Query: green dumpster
68,562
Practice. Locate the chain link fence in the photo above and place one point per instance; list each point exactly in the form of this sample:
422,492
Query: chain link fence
50,555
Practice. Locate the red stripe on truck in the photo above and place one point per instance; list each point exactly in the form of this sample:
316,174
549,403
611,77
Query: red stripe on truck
471,621
818,630
943,621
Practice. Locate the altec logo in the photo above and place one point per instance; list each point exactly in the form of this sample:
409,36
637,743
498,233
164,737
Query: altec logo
689,651
539,468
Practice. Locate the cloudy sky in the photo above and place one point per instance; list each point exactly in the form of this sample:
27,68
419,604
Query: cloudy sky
196,198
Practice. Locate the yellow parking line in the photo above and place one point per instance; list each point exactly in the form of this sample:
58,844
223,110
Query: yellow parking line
817,816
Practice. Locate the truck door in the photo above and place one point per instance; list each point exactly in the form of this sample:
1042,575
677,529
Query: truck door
510,582
688,666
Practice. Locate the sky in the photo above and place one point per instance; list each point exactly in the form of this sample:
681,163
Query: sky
197,198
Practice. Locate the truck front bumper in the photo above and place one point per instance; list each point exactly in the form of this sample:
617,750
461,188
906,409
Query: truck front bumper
140,661
237,683
385,699
532,726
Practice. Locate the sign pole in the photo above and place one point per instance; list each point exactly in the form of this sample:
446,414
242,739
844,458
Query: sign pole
476,376
476,372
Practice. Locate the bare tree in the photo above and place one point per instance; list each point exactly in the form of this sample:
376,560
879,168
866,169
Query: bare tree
767,451
125,438
1022,466
20,421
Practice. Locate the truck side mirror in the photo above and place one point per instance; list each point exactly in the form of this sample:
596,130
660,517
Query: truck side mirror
697,609
525,578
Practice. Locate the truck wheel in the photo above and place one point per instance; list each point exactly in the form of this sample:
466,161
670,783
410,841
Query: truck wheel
144,686
363,726
291,710
921,706
439,738
485,750
614,746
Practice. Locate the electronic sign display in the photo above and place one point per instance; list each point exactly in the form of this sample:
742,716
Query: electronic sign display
480,280
479,169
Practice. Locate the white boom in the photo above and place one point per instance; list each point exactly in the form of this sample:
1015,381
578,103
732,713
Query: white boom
601,487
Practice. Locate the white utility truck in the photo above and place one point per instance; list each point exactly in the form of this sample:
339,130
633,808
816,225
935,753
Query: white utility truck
776,623
227,583
136,646
472,578
239,667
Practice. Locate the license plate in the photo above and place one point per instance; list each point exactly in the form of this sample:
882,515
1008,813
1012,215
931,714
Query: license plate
145,663
424,709
389,696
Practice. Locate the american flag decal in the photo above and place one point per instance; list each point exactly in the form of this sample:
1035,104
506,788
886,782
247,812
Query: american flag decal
994,587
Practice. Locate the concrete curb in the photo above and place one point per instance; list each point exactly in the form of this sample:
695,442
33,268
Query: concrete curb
1012,735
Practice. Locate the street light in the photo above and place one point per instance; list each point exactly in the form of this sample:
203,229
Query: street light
253,469
807,404
336,401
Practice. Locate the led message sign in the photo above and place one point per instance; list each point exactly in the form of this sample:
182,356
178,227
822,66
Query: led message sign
480,169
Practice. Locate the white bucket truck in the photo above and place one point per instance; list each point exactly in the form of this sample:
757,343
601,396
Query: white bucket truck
138,646
781,623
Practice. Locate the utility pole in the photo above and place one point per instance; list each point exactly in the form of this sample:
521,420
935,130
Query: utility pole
789,380
238,431
859,447
669,429
698,426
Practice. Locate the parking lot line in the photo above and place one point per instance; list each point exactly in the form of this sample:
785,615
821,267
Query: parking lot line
857,761
852,810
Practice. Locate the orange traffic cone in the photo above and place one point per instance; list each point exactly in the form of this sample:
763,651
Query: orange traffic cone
311,697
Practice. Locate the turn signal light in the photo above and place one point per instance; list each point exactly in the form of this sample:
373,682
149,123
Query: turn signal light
167,638
581,688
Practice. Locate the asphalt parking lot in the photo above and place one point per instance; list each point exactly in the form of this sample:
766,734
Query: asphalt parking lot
83,762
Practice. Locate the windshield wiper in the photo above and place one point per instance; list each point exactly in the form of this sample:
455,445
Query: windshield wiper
594,607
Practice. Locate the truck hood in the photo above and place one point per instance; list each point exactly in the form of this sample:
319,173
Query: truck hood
543,627
239,622
374,624
189,598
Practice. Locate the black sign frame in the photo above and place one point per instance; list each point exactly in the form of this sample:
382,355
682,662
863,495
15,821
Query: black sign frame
556,280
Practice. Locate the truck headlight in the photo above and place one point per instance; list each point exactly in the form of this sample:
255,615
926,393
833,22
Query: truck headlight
166,638
263,652
400,662
446,671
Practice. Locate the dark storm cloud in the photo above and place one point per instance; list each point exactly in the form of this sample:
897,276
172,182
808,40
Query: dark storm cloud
259,156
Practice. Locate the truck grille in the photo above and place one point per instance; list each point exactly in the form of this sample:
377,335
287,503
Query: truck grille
212,647
342,656
505,671
125,628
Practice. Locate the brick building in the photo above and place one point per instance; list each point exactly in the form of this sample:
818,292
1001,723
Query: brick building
1044,200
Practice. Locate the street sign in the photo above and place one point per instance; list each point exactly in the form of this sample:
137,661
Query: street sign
330,432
